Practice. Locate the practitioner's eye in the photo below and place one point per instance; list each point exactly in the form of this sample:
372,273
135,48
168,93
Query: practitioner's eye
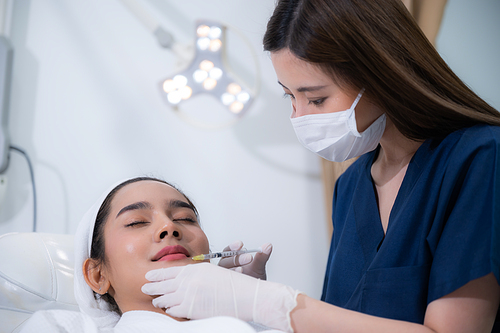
287,95
318,101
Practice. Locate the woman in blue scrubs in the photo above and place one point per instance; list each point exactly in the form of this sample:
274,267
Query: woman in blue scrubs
412,248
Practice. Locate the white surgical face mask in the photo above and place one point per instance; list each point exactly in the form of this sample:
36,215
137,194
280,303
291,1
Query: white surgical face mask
334,136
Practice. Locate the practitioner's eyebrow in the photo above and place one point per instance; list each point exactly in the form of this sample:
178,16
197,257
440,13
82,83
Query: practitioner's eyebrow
304,89
135,206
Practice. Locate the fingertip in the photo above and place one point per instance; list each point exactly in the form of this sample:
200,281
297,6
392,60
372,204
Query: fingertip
163,273
235,246
145,289
172,311
155,302
154,275
151,275
267,248
244,259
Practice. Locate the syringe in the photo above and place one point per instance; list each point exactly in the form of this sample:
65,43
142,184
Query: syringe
223,254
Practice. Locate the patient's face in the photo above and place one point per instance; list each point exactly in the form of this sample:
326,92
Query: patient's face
151,225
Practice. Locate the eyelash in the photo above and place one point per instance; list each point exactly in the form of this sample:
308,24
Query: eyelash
188,219
316,102
135,223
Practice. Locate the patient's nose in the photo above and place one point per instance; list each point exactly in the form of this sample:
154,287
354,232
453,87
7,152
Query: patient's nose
169,229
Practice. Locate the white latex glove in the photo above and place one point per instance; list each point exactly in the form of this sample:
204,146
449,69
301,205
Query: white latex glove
205,290
246,263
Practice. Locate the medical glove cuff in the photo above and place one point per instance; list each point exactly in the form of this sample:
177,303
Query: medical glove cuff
273,304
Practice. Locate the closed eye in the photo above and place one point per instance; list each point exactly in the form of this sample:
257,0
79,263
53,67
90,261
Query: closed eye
136,223
287,95
187,219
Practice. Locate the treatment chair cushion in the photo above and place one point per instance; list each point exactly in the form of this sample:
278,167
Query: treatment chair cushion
36,273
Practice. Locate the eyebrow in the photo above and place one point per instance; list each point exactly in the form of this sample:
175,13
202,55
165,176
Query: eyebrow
304,89
180,204
147,205
135,206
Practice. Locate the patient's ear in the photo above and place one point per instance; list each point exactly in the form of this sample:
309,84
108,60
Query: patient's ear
95,276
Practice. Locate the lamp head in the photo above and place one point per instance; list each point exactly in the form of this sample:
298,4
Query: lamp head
207,73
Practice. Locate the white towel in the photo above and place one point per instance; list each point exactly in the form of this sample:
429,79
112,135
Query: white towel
147,321
99,310
62,321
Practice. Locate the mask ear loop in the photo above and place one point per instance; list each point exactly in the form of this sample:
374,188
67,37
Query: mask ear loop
352,118
357,98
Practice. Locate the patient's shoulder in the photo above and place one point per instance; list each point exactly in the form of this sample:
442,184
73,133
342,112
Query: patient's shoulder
59,321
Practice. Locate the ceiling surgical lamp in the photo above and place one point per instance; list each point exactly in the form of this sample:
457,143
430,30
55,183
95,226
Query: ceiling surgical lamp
207,73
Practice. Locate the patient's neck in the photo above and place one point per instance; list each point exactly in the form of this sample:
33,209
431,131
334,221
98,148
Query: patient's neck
162,311
153,309
132,302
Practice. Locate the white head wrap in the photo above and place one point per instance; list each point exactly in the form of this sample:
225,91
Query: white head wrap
98,309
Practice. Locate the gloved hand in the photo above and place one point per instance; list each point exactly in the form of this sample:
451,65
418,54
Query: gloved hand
246,263
205,290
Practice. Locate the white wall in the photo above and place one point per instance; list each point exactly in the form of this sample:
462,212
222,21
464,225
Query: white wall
469,41
86,107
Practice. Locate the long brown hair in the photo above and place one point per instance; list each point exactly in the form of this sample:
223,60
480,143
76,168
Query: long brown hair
376,44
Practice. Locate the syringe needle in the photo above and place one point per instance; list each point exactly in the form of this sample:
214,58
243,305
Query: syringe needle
223,254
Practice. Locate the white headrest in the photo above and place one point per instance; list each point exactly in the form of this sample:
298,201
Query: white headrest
36,273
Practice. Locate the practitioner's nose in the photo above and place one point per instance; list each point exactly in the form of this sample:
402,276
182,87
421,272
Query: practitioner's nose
299,108
294,111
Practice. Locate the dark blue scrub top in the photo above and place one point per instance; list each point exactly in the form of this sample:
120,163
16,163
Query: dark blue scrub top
439,235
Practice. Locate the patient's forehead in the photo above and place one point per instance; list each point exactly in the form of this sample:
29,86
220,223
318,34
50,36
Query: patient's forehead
145,190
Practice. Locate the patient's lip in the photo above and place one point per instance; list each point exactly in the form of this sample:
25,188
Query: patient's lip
171,252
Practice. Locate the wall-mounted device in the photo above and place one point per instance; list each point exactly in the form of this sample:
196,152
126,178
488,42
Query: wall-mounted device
6,56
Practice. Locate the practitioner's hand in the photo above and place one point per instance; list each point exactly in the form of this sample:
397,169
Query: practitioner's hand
205,290
246,263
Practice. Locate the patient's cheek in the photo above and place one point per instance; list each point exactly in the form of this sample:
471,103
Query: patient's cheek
130,248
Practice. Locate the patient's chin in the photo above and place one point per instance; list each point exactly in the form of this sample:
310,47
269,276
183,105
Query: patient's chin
174,263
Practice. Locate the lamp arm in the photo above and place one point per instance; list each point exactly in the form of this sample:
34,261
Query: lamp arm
255,89
165,38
